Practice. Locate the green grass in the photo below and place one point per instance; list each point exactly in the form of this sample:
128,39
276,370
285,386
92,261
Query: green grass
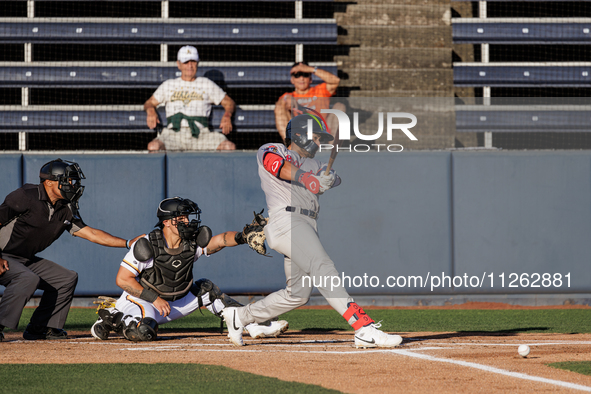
490,321
141,378
583,367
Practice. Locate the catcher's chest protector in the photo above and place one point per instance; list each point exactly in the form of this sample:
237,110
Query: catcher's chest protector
171,276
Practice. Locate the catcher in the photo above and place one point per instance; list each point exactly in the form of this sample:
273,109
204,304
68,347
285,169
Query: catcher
157,275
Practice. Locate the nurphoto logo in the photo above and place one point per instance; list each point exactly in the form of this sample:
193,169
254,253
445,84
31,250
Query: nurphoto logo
345,130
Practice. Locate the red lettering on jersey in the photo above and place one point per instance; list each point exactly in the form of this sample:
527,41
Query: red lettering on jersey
273,163
292,160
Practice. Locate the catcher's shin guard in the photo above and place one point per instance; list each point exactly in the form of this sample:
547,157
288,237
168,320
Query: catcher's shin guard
205,286
356,316
142,331
112,320
99,330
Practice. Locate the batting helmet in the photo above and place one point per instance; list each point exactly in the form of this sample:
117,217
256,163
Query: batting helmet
68,175
297,132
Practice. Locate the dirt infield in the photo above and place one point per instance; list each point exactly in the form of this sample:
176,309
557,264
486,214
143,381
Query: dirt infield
426,362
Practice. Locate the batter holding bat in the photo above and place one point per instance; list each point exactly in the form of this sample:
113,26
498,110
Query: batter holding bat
293,181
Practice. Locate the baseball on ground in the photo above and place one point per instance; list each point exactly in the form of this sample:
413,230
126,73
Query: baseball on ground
523,350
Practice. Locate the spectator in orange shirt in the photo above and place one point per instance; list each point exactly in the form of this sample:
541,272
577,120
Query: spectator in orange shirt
316,98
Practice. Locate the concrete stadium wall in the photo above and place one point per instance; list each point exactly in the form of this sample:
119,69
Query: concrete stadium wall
523,212
428,214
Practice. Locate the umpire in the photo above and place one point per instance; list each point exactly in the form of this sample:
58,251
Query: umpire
32,218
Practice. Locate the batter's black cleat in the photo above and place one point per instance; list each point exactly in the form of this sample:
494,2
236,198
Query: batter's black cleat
1,336
34,332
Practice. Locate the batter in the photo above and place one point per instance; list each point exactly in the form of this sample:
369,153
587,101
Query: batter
292,181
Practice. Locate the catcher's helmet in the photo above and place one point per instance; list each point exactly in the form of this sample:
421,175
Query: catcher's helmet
68,175
171,208
297,132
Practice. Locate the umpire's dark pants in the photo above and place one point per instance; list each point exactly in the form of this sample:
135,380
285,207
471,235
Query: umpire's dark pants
27,275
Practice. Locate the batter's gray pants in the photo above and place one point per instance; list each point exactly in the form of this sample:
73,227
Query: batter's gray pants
295,236
23,278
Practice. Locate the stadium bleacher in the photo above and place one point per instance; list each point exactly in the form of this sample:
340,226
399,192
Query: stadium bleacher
120,119
105,74
518,29
512,31
522,31
515,119
168,31
54,75
518,74
46,115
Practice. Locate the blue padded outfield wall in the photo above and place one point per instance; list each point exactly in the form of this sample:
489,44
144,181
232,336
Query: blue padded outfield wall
468,215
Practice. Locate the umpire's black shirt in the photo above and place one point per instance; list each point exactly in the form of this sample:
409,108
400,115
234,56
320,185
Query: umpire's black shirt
30,223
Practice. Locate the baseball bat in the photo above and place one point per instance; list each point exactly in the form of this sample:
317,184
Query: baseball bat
333,155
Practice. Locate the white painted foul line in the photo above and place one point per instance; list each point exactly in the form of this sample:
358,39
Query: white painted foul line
487,368
530,343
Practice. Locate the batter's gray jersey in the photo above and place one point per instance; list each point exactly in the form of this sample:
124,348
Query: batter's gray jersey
294,234
280,193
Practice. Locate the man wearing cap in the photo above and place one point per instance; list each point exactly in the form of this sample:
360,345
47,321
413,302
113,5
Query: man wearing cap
188,101
313,97
32,218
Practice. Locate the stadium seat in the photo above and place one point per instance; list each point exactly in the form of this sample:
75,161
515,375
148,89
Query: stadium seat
196,1
517,75
120,120
152,75
520,31
480,119
170,31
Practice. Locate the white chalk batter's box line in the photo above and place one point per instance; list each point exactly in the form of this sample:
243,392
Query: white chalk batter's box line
407,344
343,344
334,344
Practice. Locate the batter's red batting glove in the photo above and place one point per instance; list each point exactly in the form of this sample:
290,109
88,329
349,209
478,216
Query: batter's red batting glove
308,180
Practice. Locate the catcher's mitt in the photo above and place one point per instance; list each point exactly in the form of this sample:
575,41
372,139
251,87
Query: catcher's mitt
104,302
254,234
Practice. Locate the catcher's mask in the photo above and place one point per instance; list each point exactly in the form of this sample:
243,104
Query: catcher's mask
69,177
174,207
297,132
